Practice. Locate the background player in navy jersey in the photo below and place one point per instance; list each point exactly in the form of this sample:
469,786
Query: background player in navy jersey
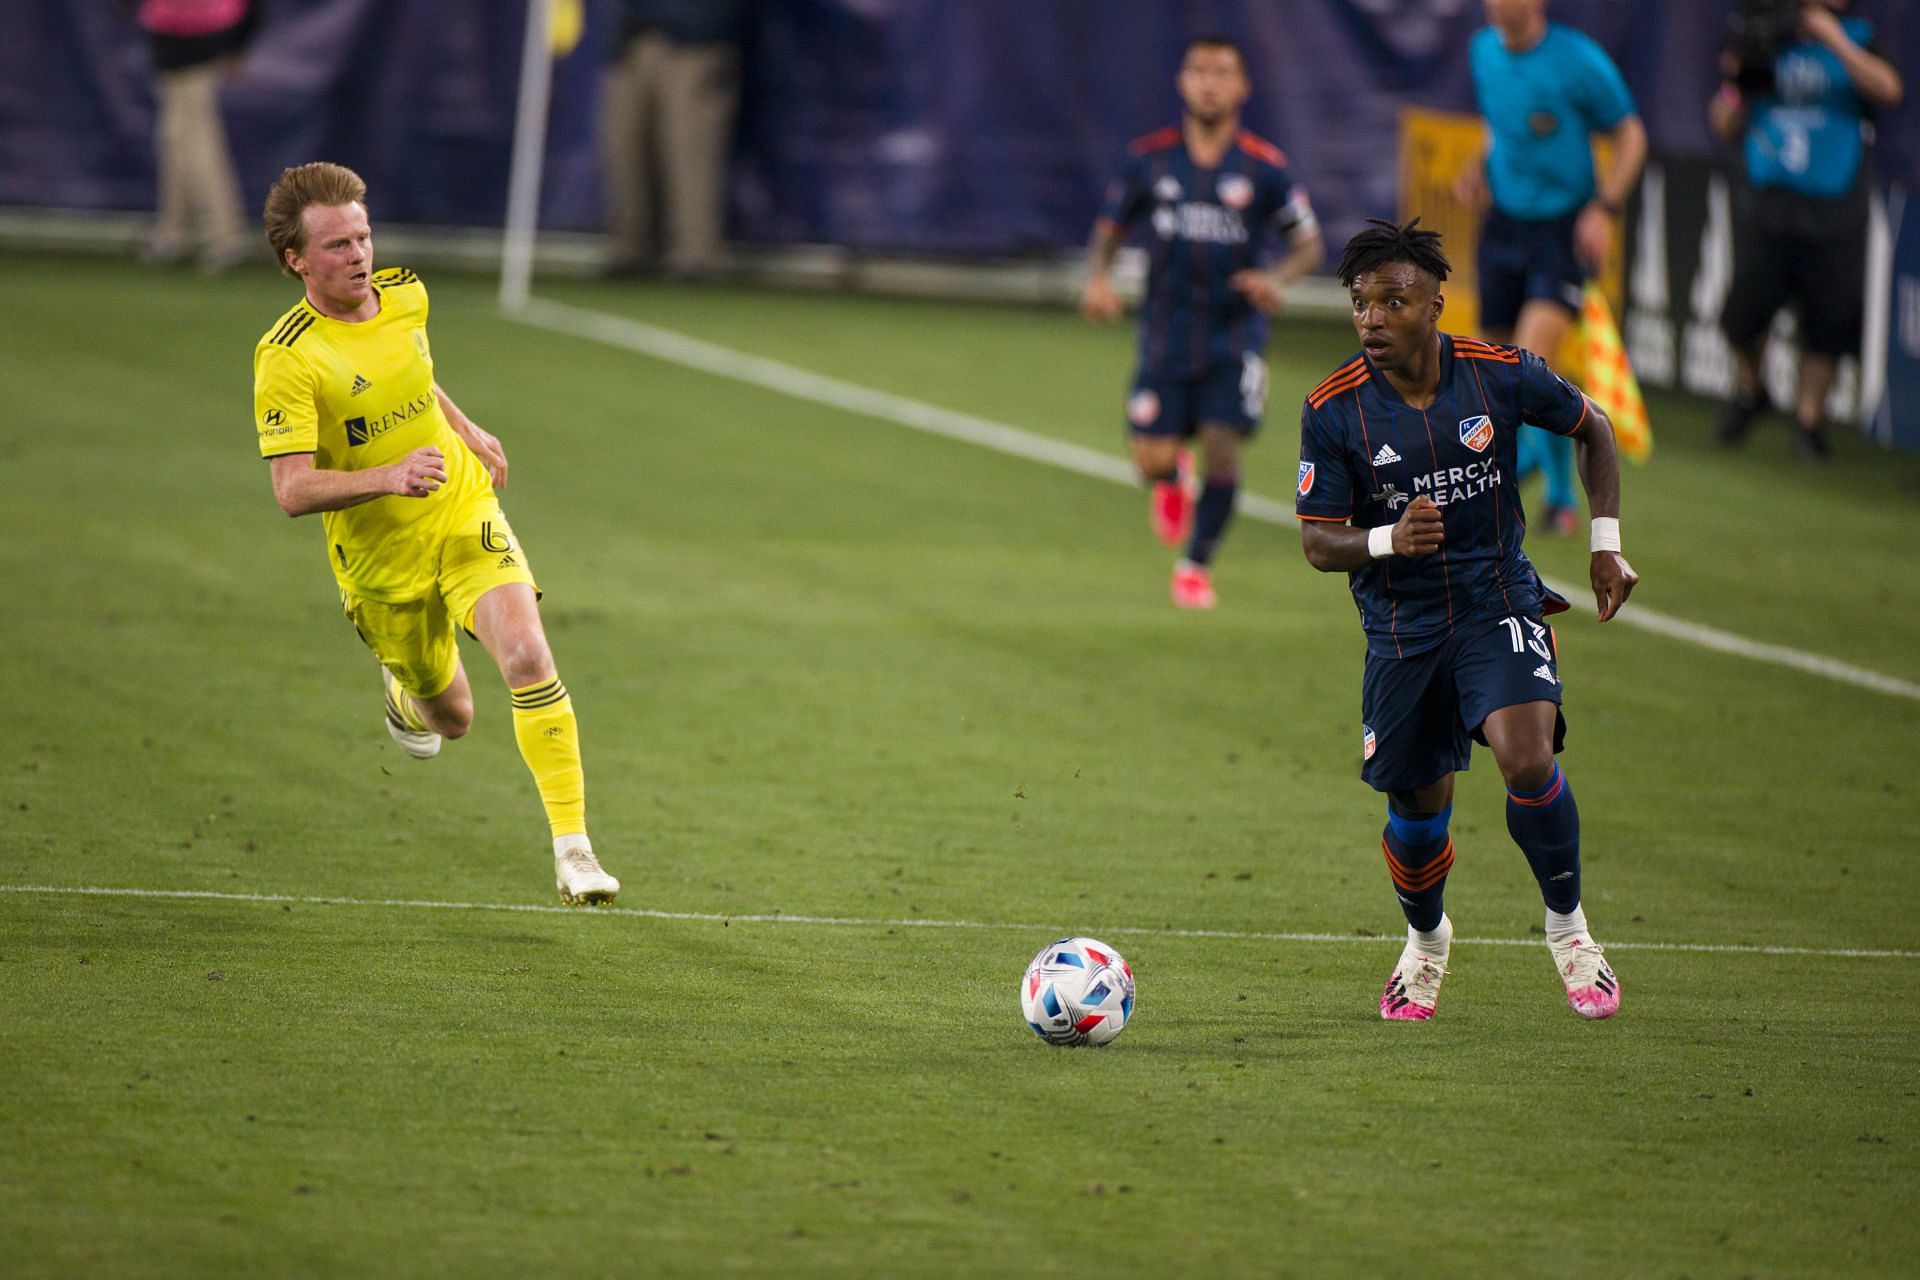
1209,192
1407,485
1545,89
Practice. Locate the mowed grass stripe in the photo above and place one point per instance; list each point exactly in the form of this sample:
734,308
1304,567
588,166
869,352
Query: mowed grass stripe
860,922
791,380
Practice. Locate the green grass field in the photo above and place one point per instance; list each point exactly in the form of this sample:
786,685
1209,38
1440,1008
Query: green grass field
830,667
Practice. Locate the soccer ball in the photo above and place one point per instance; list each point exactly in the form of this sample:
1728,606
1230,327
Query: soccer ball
1077,991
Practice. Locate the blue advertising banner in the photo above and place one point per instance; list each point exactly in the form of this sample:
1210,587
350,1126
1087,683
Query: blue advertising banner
1898,422
921,126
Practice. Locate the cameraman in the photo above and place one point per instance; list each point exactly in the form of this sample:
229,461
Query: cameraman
1801,230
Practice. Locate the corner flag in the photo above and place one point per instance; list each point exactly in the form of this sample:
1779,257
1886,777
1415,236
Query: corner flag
1609,378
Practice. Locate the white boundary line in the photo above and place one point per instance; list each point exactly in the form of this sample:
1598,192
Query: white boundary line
857,922
790,380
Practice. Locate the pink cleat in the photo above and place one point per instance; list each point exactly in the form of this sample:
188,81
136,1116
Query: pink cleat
1193,586
1413,988
1561,521
1592,989
1173,504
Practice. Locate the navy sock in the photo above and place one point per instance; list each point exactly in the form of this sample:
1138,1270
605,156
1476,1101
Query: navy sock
1546,826
1419,855
1210,518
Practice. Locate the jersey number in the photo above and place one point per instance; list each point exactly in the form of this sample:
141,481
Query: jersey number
1253,384
1522,641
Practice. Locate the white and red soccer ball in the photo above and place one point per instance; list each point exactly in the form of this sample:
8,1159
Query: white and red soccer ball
1077,991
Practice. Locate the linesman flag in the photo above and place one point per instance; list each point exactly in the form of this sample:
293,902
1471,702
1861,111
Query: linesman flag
1610,379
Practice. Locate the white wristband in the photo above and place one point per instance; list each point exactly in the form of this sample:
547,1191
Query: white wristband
1606,533
1380,541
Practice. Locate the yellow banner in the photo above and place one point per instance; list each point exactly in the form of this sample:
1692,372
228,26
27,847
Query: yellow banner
1436,147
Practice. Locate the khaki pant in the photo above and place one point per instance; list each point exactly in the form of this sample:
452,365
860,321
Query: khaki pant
666,121
199,195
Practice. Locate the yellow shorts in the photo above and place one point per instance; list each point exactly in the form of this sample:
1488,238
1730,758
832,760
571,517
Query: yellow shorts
414,639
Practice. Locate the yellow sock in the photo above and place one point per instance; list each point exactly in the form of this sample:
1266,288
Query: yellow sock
402,707
549,738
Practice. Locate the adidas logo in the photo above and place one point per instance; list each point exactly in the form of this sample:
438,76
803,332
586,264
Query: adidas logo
508,562
1385,456
1545,673
359,384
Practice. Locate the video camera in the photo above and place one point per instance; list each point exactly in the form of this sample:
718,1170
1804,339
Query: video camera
1757,30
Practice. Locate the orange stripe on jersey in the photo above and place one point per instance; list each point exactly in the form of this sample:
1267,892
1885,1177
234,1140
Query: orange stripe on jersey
1345,385
1325,519
1338,374
1474,349
1584,402
1158,140
1260,149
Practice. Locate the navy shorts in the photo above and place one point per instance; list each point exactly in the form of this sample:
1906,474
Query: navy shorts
1422,715
1521,260
1231,392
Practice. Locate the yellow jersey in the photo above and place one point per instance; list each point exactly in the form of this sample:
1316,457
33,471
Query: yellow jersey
358,396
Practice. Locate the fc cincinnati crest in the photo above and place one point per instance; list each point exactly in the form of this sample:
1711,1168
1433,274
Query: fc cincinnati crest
1306,478
1367,743
1477,432
1236,191
1143,408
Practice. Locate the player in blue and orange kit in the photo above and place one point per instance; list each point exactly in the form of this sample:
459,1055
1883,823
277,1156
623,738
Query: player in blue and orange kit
1209,192
1407,485
1544,90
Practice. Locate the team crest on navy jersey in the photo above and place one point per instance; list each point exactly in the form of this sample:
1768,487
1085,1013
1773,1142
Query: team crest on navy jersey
1236,190
1367,743
1306,478
1476,432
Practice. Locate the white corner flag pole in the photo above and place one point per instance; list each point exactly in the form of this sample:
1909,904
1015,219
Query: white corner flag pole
529,154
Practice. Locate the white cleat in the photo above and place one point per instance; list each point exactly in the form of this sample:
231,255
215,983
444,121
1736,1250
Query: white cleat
1592,989
1413,988
421,744
581,879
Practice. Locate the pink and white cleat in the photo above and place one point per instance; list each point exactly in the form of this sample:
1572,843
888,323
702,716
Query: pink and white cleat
1592,989
1413,988
1193,586
1173,504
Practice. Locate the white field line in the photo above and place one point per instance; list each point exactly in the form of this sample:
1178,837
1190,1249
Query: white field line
857,922
790,380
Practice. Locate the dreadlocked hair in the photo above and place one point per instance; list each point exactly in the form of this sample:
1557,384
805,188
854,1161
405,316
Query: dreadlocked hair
1387,242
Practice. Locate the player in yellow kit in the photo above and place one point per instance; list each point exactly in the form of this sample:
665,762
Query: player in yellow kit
356,428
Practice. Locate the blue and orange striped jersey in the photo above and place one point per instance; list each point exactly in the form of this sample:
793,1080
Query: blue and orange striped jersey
1365,453
1200,227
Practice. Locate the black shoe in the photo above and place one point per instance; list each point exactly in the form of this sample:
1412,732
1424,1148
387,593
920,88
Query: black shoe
1810,445
1738,418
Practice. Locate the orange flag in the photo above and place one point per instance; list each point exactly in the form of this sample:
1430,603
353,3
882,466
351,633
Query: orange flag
1609,378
